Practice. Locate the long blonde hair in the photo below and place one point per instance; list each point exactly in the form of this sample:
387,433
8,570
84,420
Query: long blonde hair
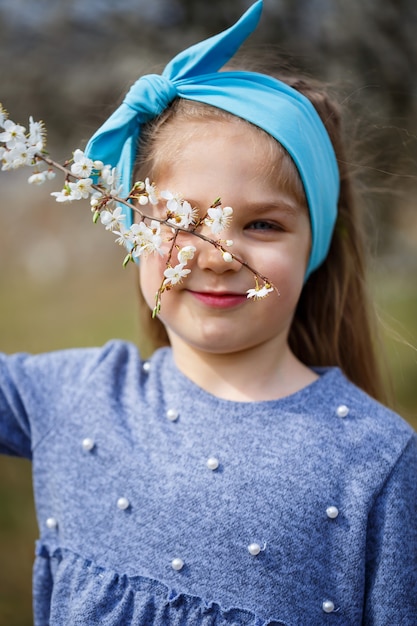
334,323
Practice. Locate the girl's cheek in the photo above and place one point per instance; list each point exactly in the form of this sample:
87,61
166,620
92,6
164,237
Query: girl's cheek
153,265
151,270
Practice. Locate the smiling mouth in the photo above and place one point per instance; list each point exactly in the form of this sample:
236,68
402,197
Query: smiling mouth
219,300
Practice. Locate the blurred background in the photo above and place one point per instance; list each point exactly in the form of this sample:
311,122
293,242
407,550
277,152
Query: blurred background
68,62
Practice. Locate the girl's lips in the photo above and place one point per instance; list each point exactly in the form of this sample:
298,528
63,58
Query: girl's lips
221,300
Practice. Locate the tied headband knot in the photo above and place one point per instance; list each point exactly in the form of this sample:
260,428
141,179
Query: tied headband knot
274,106
150,96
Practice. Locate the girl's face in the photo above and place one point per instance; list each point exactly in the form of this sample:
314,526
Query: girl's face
209,311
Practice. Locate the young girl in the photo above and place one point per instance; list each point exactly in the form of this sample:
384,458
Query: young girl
242,475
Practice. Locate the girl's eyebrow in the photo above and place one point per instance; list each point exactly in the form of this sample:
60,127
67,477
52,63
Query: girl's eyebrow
281,206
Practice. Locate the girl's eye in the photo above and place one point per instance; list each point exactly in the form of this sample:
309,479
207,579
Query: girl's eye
262,225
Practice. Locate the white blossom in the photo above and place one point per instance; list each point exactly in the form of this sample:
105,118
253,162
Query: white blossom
180,212
6,161
64,195
151,191
112,220
116,190
168,195
95,199
174,275
125,236
146,239
259,292
109,179
19,155
109,176
82,165
186,253
218,218
3,116
37,134
81,189
40,177
155,239
13,134
174,204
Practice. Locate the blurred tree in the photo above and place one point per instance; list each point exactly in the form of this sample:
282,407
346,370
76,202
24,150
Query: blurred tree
73,61
371,39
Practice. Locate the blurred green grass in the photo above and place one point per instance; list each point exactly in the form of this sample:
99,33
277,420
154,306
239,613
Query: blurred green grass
90,307
396,299
82,309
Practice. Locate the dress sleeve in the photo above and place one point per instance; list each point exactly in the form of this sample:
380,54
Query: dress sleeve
37,390
391,582
15,430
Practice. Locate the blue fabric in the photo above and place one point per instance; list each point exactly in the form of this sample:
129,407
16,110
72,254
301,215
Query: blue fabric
264,101
281,465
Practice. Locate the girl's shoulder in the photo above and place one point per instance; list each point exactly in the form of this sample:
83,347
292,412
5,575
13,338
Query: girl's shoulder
335,386
364,420
38,391
70,362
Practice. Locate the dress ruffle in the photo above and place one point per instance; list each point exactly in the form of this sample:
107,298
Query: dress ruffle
85,594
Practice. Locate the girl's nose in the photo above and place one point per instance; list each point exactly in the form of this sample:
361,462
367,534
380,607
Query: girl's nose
209,257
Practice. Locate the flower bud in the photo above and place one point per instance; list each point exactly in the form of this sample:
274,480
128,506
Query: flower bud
227,257
127,258
186,253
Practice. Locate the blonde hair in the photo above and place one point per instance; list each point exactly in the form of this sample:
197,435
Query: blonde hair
334,323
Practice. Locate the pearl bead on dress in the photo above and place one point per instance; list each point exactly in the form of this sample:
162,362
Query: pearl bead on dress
172,415
177,564
88,444
51,523
146,366
332,512
254,549
212,463
123,504
342,410
328,606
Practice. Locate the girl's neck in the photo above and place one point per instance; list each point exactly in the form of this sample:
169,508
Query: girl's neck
256,374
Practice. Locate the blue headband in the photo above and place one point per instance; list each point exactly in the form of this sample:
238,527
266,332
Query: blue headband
268,103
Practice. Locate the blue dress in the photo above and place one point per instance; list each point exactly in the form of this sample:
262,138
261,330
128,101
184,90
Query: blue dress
161,504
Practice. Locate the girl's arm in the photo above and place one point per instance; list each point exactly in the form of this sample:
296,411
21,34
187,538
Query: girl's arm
391,594
38,391
15,430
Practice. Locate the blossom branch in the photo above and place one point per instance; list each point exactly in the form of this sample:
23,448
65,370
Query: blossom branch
85,178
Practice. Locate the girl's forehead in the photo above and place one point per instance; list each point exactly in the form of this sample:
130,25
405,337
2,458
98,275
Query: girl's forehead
204,128
183,141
